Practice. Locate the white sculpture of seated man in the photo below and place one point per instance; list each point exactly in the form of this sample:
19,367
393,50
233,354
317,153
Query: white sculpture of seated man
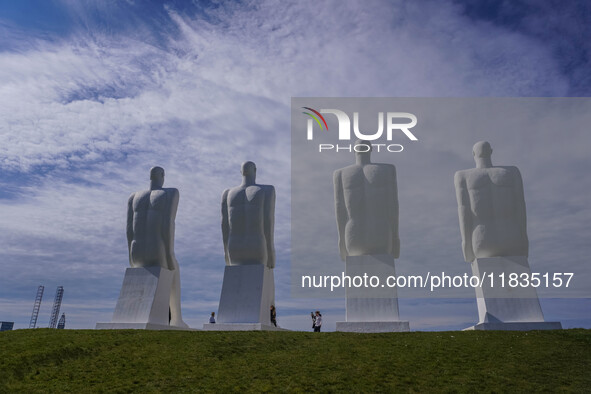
150,234
366,208
248,289
491,208
248,213
366,205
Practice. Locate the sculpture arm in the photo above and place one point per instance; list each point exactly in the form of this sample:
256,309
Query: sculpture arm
225,225
269,224
465,216
394,215
130,224
521,213
168,228
341,212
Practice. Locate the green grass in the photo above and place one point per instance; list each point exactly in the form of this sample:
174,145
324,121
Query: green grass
45,360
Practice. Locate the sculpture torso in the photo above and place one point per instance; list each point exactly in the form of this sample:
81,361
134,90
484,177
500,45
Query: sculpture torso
370,217
247,209
151,219
496,226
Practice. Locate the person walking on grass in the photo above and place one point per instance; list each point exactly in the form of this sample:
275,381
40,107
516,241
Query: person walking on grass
316,321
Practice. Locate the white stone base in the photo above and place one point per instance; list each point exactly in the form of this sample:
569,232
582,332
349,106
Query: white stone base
248,291
371,304
144,300
507,308
144,296
370,309
241,327
373,326
516,326
497,304
139,326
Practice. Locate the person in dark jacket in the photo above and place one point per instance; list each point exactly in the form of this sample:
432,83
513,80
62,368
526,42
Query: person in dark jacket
273,315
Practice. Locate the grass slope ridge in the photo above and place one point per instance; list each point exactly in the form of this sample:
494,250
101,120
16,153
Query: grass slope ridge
45,360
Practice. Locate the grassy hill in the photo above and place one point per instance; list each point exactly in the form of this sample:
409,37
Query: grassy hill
45,360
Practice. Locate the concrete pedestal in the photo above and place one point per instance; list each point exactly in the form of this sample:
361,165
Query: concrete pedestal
516,326
505,307
139,326
241,327
371,309
377,326
248,291
143,301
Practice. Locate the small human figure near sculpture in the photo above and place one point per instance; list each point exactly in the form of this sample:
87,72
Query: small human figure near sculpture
273,315
316,321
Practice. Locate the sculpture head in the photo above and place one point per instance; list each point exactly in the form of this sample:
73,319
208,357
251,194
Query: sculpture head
482,152
249,173
482,149
156,177
248,169
364,142
363,155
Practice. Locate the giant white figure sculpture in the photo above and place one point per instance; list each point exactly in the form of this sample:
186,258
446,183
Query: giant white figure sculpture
491,210
150,234
248,217
366,208
491,207
150,297
248,290
366,205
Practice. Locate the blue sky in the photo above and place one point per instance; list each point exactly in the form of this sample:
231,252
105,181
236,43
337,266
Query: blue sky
95,93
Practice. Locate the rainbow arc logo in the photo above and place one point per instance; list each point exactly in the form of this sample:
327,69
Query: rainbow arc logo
315,117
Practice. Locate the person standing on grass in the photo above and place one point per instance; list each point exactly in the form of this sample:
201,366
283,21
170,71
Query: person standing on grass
212,318
316,321
273,315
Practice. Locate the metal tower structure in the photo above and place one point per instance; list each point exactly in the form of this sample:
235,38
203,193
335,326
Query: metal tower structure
57,303
62,323
36,307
